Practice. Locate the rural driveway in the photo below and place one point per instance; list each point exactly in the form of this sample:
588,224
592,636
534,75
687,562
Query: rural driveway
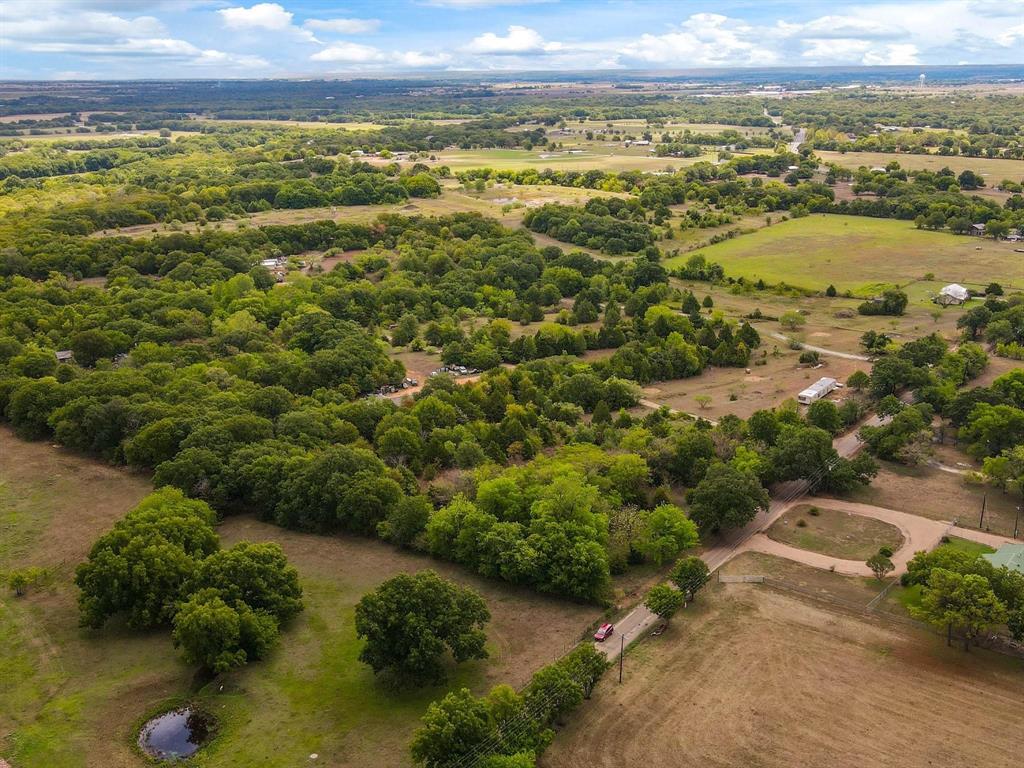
640,619
918,533
658,406
821,350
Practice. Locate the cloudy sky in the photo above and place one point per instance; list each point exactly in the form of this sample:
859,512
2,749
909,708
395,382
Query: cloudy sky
52,39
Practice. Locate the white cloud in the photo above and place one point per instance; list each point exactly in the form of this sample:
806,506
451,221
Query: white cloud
350,53
838,26
838,50
265,17
343,26
260,16
25,21
418,59
1011,36
519,40
892,55
155,48
704,39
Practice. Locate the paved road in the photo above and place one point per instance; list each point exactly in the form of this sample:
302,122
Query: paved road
822,350
798,139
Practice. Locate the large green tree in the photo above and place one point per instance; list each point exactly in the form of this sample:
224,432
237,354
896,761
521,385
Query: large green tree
726,498
142,566
410,620
219,635
960,602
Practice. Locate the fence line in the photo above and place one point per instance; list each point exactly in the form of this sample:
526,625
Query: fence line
993,641
725,578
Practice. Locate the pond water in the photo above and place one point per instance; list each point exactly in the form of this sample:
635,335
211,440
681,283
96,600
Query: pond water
174,734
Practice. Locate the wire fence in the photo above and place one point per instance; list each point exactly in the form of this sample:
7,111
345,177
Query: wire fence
998,642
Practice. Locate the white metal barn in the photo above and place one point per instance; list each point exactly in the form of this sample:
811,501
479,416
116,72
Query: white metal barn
954,293
817,390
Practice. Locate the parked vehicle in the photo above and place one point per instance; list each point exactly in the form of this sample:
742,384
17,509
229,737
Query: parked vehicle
604,632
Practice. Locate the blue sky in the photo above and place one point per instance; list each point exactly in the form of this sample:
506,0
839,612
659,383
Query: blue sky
52,39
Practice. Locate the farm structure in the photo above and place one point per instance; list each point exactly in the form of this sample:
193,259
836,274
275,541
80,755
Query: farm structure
952,294
817,390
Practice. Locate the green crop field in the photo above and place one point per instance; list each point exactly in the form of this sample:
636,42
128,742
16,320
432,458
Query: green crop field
860,254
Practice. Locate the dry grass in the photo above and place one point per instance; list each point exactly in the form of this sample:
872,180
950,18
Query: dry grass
835,533
733,390
756,678
73,698
938,495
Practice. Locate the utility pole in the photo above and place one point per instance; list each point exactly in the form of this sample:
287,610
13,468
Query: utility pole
982,520
1016,522
622,650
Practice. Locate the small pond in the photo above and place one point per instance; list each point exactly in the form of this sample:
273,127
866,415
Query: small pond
174,735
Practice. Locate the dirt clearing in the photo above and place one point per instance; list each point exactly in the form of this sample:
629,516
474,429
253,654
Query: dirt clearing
756,678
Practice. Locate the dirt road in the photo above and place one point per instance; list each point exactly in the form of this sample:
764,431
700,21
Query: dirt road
640,620
822,350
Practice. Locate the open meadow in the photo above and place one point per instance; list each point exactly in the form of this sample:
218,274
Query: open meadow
993,169
750,676
73,697
861,254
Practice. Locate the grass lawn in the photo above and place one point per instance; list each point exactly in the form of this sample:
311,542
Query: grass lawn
71,698
861,254
835,533
591,155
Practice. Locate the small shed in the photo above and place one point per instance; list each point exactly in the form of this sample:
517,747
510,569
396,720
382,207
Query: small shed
954,293
64,355
1009,556
977,230
817,390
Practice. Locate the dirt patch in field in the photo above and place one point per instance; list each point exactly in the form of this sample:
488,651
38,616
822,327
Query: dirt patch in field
755,678
733,390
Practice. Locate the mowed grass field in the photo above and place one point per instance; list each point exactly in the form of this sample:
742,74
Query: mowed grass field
860,254
993,169
592,155
72,698
751,677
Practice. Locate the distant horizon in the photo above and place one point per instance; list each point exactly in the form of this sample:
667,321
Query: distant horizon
910,71
79,40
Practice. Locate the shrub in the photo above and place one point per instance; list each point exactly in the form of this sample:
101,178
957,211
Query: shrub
801,523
